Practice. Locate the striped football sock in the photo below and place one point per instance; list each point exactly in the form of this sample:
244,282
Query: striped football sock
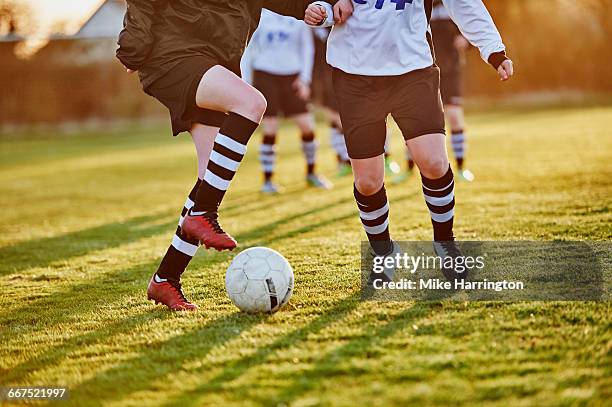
229,149
267,155
374,215
339,144
182,250
459,146
440,198
309,147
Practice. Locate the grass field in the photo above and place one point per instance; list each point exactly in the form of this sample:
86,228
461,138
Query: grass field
86,218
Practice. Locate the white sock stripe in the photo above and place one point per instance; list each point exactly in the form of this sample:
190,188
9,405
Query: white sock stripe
189,203
375,230
440,201
442,217
231,144
266,148
374,214
184,247
268,168
181,220
438,190
223,161
216,181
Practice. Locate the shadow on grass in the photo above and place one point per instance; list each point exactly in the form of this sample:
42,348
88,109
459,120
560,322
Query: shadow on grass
366,345
64,306
162,359
44,252
237,368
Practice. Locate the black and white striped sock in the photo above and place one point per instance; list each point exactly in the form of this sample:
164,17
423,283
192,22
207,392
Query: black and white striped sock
339,144
459,146
182,250
440,198
309,147
229,149
374,215
267,155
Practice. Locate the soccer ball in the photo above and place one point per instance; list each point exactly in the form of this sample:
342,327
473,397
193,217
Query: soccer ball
259,280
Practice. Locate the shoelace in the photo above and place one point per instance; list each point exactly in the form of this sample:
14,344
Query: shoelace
214,223
177,286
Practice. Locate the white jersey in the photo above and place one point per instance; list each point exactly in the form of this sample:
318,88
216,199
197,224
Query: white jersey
281,46
392,37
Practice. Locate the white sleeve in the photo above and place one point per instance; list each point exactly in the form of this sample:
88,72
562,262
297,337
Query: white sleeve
476,25
307,48
246,63
329,21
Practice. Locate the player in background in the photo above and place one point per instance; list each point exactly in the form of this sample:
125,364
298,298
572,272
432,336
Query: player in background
329,103
279,63
384,64
449,46
187,54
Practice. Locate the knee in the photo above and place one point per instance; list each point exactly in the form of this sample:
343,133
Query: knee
368,184
253,103
434,166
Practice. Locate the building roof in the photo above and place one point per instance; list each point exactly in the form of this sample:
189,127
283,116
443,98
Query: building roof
105,22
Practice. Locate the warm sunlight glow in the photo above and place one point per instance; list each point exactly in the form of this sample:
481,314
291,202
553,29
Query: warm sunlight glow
50,13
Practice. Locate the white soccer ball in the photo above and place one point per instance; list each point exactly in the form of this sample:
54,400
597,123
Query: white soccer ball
259,280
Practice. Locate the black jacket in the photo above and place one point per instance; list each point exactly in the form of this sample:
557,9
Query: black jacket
157,34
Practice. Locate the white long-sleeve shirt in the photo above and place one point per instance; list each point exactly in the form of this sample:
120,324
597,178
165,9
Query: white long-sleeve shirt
281,46
390,37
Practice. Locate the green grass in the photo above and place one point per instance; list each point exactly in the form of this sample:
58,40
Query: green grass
86,218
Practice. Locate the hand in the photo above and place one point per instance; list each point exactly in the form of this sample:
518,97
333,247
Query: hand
342,11
461,43
315,15
302,89
505,70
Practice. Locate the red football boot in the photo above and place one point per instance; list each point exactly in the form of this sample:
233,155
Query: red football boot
206,229
169,293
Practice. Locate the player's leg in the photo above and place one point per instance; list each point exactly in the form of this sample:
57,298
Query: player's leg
222,90
363,112
456,121
419,113
337,142
267,153
165,286
269,85
391,166
429,154
403,176
305,122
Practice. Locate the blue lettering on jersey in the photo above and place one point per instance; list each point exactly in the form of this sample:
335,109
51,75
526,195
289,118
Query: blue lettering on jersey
399,4
280,36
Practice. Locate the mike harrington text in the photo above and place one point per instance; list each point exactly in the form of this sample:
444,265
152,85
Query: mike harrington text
436,284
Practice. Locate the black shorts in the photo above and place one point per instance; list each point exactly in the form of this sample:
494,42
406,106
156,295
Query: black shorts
177,91
413,99
280,94
329,97
451,87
